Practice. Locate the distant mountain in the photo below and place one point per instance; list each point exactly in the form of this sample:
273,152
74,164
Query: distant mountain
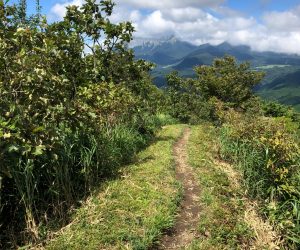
205,54
183,55
163,52
282,82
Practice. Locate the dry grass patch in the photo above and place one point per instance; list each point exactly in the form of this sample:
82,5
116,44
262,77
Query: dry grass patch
265,235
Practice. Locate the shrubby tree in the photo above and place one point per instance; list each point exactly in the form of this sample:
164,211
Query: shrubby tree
227,80
225,83
186,101
275,109
62,87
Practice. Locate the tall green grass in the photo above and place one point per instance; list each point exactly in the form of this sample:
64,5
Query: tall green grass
278,194
130,212
221,222
39,193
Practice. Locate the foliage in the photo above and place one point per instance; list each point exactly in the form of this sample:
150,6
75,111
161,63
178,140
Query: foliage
61,86
225,84
267,152
227,81
185,101
275,109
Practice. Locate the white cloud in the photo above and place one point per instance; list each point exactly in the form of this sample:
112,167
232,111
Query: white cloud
121,14
188,14
190,21
283,21
155,24
58,11
237,23
165,4
227,12
264,41
279,32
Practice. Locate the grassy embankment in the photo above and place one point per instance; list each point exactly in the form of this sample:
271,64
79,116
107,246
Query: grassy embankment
222,225
266,152
132,211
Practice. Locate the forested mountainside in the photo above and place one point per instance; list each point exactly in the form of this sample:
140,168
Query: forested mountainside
282,70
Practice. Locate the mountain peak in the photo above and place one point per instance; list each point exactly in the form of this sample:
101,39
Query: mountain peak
164,51
153,42
225,46
172,39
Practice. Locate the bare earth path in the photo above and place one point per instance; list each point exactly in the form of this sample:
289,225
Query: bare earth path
185,228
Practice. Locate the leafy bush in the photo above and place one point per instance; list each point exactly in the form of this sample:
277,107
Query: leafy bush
268,154
67,118
225,83
185,100
275,109
227,80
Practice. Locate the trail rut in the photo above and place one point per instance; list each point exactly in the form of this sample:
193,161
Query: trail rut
185,228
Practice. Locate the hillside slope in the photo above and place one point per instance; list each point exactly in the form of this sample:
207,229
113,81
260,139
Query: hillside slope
281,69
282,84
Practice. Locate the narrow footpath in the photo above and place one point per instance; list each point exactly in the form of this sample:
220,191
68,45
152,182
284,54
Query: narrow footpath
185,228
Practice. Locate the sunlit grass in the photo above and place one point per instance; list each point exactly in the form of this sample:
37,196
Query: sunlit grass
221,224
131,211
280,206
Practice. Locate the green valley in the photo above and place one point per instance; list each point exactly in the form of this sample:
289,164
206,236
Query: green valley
282,70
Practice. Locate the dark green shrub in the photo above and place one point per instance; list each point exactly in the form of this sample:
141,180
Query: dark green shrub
68,118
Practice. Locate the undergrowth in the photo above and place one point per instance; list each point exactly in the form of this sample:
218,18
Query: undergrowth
69,118
221,223
129,212
50,187
266,151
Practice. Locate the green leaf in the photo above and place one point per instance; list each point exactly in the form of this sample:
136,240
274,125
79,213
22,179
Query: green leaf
38,129
13,148
93,115
39,150
7,135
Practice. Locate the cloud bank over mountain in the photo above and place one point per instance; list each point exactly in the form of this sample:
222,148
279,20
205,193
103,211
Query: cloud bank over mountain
208,21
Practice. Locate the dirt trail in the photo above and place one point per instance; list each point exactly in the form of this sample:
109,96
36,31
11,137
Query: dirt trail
185,228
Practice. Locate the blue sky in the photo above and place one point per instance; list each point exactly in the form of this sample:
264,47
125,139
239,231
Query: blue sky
47,4
250,7
257,7
272,25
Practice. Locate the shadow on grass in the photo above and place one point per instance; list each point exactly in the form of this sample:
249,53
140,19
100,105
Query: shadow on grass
117,173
